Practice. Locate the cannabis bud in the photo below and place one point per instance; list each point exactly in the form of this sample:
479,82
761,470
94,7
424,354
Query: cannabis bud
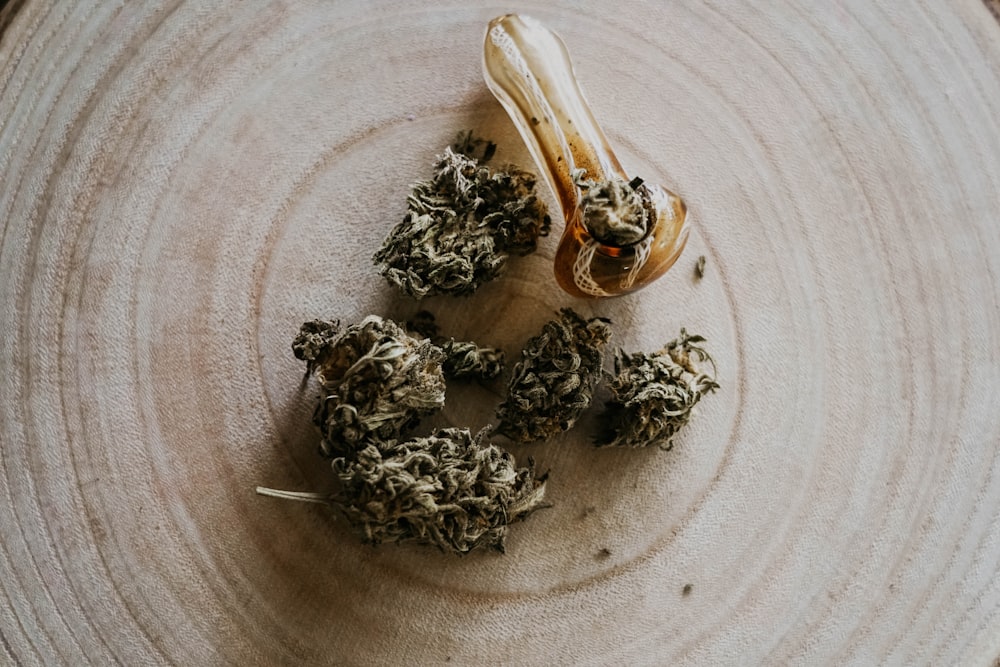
653,394
555,379
615,212
377,380
452,490
461,226
314,342
462,359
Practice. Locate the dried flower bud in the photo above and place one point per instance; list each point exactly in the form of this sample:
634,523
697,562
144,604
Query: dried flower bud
466,360
554,381
314,341
462,360
377,380
615,212
451,490
461,226
653,394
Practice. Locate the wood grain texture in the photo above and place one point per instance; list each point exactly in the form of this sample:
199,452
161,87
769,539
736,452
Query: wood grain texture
183,183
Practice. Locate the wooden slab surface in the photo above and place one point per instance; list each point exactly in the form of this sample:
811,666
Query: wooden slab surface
184,183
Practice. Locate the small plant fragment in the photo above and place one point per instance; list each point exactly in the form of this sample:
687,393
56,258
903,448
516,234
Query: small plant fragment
652,394
462,225
463,360
699,267
377,380
554,381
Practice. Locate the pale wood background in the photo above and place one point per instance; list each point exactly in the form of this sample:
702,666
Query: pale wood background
183,183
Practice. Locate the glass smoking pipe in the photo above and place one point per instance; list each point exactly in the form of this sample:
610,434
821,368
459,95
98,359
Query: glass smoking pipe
621,233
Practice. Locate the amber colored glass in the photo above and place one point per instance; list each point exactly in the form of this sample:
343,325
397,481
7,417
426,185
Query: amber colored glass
527,67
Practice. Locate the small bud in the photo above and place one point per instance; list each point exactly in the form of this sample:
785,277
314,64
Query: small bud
463,360
555,379
314,341
653,394
466,360
615,212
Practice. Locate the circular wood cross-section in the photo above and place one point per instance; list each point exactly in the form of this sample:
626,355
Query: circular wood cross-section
184,183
